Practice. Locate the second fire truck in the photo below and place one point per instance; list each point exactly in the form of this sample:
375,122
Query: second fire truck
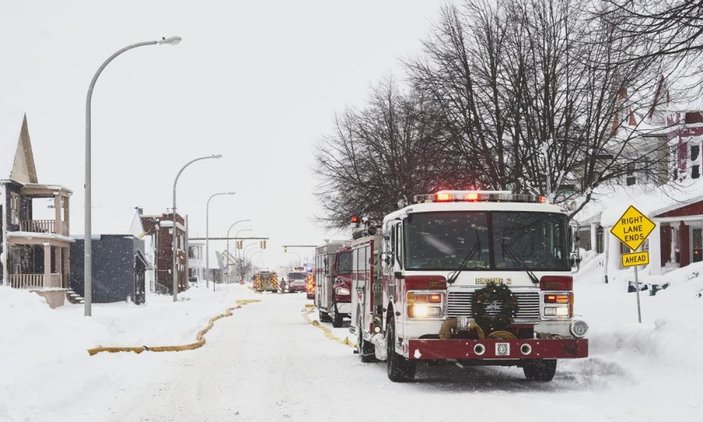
332,273
476,277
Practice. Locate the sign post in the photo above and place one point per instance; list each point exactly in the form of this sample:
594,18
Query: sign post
632,229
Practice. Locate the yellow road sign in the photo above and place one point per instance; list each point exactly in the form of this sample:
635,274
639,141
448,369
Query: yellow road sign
632,228
637,258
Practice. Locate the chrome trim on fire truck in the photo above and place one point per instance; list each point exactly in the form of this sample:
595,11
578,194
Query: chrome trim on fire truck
459,304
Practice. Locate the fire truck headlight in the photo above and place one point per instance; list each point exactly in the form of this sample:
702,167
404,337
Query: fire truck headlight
341,291
424,311
425,304
556,311
578,328
557,305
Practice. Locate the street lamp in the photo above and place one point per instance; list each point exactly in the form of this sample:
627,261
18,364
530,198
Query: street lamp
236,235
229,230
207,236
88,245
244,253
173,241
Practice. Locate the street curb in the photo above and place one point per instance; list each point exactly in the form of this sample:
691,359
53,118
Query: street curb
199,338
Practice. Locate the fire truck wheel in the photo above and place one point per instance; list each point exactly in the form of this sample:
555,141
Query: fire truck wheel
324,316
337,319
366,348
540,370
399,368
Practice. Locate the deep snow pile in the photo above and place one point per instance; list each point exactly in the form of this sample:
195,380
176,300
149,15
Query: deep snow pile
670,336
44,364
44,356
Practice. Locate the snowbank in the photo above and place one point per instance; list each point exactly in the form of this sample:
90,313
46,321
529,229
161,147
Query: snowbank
44,361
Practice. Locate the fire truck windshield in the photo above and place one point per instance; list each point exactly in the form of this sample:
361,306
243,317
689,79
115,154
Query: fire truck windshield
297,276
486,240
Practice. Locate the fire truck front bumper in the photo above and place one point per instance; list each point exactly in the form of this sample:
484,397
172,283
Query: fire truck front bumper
469,349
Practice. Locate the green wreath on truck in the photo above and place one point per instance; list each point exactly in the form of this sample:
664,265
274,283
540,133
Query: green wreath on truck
494,295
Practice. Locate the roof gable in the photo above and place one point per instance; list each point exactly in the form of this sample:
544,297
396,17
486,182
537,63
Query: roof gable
18,159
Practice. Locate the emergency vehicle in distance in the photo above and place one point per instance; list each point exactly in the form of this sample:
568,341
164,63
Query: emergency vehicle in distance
266,281
297,279
332,273
475,277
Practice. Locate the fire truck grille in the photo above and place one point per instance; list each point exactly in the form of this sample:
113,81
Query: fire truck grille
459,304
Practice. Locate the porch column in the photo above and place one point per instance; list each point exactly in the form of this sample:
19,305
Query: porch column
47,264
594,237
66,268
655,256
58,261
66,220
614,255
57,214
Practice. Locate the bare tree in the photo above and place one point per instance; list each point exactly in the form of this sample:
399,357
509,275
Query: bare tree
658,27
535,94
242,267
387,152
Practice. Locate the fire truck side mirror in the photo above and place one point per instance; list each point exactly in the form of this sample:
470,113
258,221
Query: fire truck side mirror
575,261
386,258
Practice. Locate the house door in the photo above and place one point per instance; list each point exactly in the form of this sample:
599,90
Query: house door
696,244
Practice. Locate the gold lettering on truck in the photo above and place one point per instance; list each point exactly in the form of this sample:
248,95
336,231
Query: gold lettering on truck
494,280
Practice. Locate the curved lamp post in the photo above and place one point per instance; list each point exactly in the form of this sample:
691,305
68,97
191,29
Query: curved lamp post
207,237
230,229
236,235
88,245
174,245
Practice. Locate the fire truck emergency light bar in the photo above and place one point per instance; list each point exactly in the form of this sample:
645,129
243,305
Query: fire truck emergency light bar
479,196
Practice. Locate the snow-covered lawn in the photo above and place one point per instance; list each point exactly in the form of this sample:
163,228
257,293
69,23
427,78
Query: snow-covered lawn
635,372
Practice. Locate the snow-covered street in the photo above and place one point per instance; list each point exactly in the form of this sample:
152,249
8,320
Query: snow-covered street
266,363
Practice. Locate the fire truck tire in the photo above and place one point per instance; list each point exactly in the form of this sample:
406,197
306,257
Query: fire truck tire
399,368
540,370
324,316
366,348
337,319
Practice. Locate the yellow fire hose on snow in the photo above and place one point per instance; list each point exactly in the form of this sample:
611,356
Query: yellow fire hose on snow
328,333
199,338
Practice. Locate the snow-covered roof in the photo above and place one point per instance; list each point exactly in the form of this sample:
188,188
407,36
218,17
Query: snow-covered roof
10,128
610,202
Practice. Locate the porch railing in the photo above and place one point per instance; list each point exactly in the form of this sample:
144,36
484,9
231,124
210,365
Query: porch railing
36,281
44,226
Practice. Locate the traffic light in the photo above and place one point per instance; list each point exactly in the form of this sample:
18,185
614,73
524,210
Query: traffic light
262,244
285,249
239,244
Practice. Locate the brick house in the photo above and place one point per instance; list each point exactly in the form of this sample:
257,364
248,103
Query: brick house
159,228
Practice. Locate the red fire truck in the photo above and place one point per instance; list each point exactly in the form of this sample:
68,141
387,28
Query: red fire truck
476,277
332,269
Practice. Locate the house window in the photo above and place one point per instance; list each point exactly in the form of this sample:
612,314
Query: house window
599,240
695,165
630,180
697,245
14,208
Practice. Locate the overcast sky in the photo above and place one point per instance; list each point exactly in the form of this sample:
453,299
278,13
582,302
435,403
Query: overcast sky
258,82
